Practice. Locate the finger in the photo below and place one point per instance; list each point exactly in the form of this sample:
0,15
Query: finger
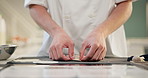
90,53
66,58
71,51
97,54
50,55
82,51
102,55
61,54
55,56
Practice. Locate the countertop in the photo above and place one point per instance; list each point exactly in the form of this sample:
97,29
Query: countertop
101,69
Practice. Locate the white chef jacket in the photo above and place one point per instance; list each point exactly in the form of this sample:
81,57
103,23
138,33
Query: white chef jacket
78,18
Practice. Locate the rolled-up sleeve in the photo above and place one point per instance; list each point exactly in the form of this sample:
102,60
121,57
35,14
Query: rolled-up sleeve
37,2
118,1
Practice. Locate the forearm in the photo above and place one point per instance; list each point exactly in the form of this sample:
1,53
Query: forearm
118,17
43,19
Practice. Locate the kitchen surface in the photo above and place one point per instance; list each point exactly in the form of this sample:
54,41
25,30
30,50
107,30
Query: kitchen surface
43,67
18,28
32,67
73,71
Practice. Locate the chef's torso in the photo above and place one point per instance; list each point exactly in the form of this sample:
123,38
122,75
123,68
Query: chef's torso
78,18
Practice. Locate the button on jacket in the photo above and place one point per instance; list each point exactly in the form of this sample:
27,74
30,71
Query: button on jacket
78,18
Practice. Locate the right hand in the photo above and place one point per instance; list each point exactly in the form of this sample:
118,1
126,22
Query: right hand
61,40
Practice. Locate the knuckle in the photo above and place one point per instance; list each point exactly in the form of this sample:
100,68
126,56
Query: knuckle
84,43
101,47
51,47
95,45
56,45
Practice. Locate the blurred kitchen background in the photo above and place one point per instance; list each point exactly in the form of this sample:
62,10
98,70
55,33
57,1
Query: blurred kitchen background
17,27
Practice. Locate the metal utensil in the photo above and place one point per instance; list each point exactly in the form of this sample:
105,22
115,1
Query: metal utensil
6,51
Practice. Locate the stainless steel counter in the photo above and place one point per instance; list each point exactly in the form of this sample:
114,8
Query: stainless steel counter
45,68
74,71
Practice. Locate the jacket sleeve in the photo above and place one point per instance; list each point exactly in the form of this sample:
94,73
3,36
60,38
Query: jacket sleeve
37,2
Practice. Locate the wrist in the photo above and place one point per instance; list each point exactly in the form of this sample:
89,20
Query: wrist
56,30
100,31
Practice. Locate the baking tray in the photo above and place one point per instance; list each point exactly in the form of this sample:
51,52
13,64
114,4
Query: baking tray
46,61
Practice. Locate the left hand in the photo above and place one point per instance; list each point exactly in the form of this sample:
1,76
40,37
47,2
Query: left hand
96,42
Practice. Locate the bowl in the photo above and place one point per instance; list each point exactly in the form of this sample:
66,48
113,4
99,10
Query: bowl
6,51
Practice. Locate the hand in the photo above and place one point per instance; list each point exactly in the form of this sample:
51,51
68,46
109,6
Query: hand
61,40
96,42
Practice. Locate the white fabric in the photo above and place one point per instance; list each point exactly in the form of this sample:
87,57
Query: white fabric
39,2
118,1
78,18
2,31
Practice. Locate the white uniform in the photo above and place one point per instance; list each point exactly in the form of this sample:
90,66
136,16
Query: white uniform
78,18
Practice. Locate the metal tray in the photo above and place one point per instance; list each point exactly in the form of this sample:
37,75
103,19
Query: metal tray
46,61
